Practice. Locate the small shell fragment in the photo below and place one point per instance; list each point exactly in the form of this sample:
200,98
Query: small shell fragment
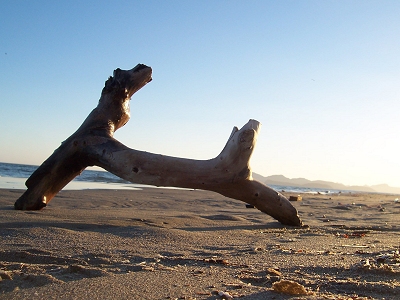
225,295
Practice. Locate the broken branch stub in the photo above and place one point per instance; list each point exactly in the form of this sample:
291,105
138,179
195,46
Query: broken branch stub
93,144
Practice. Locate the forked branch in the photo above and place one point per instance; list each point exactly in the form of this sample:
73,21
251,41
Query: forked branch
93,144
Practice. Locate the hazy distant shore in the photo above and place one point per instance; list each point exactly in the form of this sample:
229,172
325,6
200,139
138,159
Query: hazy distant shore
182,244
302,183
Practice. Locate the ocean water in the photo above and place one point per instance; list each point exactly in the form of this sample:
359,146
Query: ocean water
13,176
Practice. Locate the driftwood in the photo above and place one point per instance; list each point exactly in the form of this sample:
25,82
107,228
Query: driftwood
93,144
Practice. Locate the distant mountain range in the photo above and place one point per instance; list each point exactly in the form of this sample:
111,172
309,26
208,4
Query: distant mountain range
305,183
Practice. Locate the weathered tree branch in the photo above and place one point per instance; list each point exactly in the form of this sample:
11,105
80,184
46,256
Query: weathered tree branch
93,144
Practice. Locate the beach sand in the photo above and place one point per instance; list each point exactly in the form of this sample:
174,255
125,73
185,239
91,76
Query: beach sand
185,244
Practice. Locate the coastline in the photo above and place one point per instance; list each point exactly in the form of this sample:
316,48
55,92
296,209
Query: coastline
14,175
191,244
15,183
18,183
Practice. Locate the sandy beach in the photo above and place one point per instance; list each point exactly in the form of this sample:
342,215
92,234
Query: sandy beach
185,244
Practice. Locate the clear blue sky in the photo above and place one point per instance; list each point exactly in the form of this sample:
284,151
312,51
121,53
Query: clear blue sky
321,76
